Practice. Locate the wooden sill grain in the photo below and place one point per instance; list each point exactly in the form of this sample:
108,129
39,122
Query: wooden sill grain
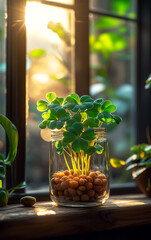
46,220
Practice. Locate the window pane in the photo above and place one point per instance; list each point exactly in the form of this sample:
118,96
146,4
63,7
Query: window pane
125,8
2,70
113,60
49,69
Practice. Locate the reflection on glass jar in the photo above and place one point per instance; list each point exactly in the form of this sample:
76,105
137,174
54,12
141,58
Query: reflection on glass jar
77,179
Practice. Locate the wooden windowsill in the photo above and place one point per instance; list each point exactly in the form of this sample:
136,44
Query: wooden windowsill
47,220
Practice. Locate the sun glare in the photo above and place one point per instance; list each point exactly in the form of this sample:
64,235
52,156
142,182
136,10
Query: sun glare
38,15
44,211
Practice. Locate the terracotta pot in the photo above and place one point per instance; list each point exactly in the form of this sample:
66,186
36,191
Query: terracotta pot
144,181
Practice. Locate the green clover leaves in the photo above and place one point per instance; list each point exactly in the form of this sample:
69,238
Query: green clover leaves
77,117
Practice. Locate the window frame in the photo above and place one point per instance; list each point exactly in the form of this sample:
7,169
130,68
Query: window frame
16,72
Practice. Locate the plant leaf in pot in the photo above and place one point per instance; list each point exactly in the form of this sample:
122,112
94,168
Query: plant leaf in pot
12,134
140,164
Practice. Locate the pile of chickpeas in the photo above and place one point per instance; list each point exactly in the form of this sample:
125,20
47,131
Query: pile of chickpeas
70,186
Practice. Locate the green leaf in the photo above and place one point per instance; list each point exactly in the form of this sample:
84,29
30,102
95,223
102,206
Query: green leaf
59,124
107,22
79,144
82,107
108,43
83,144
75,97
121,6
110,109
59,150
53,114
19,186
50,96
42,105
117,119
1,157
148,149
62,113
149,79
117,163
99,149
77,117
88,105
58,101
2,172
46,115
78,127
69,99
88,134
97,106
92,113
137,172
43,124
69,137
54,106
132,166
99,100
76,108
132,158
58,144
12,134
86,98
91,122
36,53
138,148
72,130
147,85
90,151
70,106
53,124
147,163
59,147
105,117
76,146
66,118
70,122
83,116
105,105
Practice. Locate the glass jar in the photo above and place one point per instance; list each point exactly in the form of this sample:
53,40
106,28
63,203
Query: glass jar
80,181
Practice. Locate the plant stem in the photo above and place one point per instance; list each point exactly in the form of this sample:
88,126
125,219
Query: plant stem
66,162
88,163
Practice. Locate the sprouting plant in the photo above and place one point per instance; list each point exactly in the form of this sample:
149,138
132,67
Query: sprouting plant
12,134
77,117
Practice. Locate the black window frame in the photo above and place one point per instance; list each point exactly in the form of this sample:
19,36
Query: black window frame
16,72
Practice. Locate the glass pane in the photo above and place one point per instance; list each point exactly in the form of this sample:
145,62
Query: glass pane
113,76
50,41
62,1
2,70
125,8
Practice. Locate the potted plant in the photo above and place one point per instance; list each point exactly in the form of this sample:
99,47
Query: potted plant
12,134
139,161
140,164
79,163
